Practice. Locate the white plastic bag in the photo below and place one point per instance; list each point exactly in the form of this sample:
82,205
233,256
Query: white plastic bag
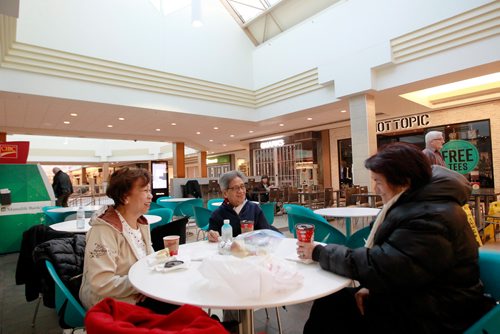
251,277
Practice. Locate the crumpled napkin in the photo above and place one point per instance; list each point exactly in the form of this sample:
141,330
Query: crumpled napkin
158,263
252,277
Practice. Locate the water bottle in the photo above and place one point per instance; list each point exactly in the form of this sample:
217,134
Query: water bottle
80,218
226,238
227,231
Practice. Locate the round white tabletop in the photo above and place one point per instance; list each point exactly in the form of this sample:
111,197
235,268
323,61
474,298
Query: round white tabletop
75,208
188,286
348,212
70,225
175,199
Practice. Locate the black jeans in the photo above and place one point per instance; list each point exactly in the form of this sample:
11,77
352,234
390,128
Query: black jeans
336,313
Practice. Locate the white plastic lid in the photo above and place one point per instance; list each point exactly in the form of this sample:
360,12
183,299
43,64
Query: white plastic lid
226,221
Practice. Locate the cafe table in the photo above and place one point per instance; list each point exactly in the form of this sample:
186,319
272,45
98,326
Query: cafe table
175,199
372,198
89,208
347,213
188,286
70,225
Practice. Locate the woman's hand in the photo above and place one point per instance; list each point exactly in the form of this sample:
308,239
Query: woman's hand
305,250
213,236
360,297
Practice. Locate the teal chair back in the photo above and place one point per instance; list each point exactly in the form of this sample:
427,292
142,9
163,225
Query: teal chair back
54,217
202,217
186,208
169,205
269,209
210,203
154,205
489,268
299,210
358,239
323,231
71,313
166,216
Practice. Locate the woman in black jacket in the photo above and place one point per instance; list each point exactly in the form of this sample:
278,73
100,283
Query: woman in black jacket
418,271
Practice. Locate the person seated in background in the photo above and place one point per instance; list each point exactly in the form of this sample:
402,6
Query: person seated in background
235,207
261,190
418,271
119,236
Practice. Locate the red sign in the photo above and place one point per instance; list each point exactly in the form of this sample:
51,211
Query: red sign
14,152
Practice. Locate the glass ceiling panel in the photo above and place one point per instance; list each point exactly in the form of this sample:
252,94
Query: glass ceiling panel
249,9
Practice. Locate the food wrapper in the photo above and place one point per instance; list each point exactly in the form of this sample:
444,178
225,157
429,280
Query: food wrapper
259,242
252,277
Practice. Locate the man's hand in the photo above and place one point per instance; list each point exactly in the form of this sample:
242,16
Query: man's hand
213,236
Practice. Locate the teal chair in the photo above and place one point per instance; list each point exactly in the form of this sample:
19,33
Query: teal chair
166,216
323,231
358,239
54,217
71,313
210,203
269,209
186,208
202,217
489,268
298,210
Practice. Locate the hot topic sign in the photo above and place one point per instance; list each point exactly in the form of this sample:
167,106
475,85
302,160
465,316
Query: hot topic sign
460,156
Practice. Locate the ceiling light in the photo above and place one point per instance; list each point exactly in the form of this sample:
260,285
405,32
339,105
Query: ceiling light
66,122
173,123
210,140
342,111
251,131
281,124
474,90
196,13
110,126
224,145
232,136
309,118
216,128
198,132
121,118
73,114
158,129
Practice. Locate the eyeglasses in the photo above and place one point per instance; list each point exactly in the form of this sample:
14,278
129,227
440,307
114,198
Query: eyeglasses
236,188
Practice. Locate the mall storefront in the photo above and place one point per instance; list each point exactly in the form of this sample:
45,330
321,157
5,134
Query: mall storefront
476,125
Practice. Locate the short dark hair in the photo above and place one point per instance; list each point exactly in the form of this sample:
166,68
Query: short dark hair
122,181
402,164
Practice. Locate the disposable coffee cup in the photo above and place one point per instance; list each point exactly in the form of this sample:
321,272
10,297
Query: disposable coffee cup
5,198
172,243
246,226
304,232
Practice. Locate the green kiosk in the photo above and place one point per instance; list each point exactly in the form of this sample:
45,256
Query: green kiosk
24,190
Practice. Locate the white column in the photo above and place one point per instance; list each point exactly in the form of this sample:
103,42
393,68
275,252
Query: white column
363,136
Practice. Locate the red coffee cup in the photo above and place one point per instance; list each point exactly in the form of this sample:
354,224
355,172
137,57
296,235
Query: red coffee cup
246,226
172,243
304,232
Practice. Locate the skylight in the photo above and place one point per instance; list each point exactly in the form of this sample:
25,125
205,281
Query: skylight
250,9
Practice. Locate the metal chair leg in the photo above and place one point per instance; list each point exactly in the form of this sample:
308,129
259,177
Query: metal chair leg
36,310
279,320
267,314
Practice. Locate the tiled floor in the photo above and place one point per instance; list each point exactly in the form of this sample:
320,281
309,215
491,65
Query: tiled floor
16,314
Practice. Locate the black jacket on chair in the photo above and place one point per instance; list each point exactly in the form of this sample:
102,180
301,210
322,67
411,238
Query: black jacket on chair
175,227
192,189
66,255
26,273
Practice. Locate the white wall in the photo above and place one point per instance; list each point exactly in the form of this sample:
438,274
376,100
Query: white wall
219,51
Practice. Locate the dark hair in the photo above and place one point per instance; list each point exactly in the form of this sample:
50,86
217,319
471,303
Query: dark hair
264,177
402,164
122,181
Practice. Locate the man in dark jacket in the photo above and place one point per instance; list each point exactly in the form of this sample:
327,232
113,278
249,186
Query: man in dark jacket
419,268
62,187
235,208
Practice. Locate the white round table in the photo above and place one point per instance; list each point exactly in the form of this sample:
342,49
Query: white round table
347,213
175,199
188,286
70,225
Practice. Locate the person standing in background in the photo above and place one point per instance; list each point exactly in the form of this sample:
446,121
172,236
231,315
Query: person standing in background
62,186
434,141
